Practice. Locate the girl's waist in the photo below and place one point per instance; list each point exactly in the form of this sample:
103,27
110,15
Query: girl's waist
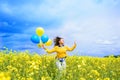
61,56
61,59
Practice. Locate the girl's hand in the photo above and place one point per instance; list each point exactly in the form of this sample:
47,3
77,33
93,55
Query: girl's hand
75,43
43,46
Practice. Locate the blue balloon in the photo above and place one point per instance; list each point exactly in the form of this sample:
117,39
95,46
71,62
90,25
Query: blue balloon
35,39
44,38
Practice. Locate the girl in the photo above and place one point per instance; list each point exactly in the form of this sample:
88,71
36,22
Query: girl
61,50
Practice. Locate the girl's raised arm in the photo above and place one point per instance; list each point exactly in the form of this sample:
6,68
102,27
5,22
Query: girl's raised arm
48,50
72,48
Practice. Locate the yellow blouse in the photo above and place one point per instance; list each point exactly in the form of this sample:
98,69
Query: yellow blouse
61,51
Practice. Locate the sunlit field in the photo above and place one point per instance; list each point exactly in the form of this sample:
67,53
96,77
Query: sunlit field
26,66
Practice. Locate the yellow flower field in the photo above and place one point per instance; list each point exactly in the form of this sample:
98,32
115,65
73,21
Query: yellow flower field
26,66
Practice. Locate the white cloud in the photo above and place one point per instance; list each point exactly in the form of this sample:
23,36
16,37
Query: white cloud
87,34
91,28
105,42
4,24
6,8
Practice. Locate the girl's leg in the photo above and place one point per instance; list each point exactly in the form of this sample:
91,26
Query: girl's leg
64,64
58,63
64,68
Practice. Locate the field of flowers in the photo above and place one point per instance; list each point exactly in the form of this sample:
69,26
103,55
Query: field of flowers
26,66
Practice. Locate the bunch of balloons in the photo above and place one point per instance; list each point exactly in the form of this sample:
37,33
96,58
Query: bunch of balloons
40,38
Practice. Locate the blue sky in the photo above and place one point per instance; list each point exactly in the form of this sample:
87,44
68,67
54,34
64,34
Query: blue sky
93,24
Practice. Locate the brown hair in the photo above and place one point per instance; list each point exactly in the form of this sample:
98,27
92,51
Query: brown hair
56,41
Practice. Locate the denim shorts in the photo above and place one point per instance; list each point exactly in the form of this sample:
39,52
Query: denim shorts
61,59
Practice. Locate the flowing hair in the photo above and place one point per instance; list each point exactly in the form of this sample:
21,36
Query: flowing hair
56,41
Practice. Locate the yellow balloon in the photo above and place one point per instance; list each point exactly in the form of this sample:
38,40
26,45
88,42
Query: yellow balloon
40,45
39,31
49,42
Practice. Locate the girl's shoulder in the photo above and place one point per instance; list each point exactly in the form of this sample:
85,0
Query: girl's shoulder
55,46
65,46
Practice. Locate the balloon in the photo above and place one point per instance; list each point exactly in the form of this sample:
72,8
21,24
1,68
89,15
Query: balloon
39,31
35,39
49,42
40,45
44,38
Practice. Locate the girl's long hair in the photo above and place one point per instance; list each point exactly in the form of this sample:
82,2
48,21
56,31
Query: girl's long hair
56,41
